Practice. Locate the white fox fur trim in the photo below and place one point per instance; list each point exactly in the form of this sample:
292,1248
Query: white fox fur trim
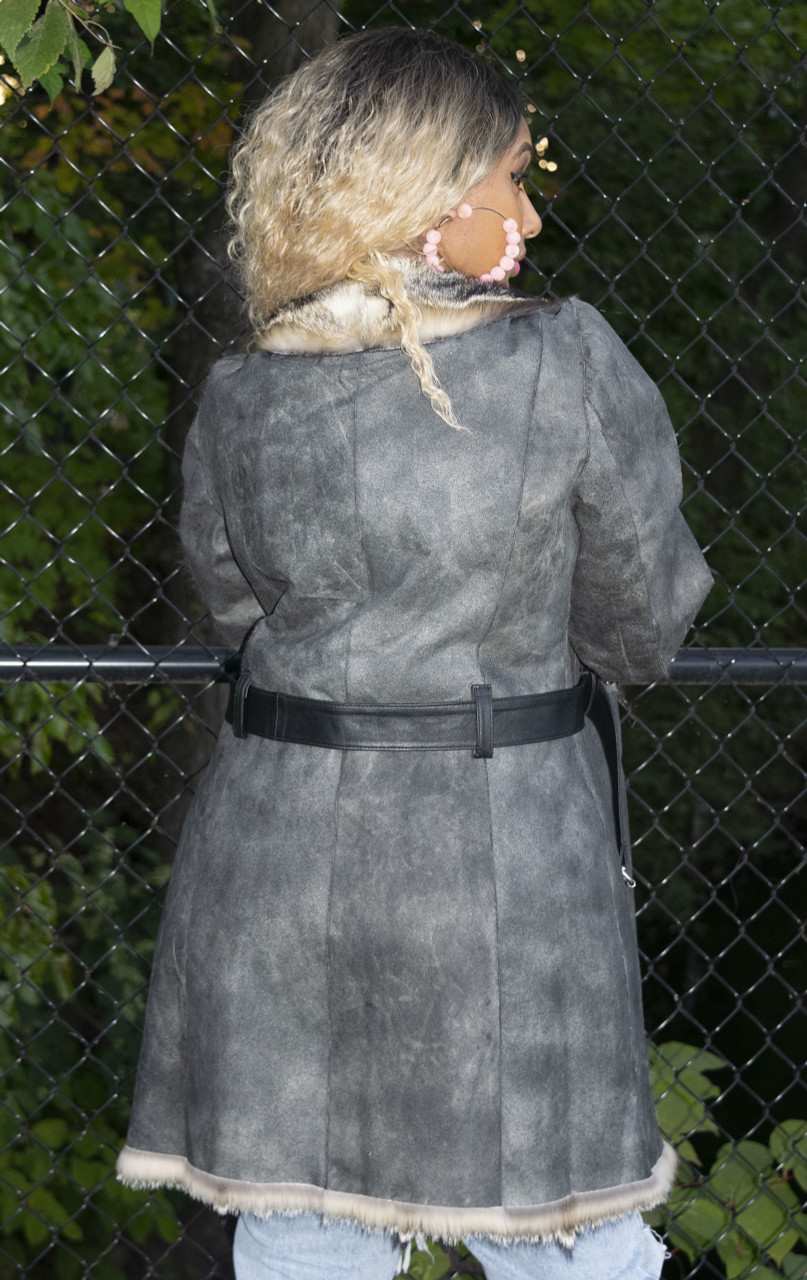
559,1220
350,316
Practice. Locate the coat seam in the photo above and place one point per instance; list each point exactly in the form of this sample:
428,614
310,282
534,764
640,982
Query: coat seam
590,407
637,541
583,396
327,1169
527,442
359,524
498,981
197,437
183,986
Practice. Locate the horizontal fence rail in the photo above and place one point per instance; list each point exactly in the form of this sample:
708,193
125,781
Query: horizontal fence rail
185,664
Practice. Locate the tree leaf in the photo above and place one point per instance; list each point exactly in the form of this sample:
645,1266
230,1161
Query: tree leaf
44,1203
147,14
52,81
168,1227
789,1145
103,70
767,1221
40,48
75,56
680,1089
738,1255
433,1264
16,17
679,1055
679,1114
53,1132
36,1231
734,1178
89,1174
687,1152
698,1227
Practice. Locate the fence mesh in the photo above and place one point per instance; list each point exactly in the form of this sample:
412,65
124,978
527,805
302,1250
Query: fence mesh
670,173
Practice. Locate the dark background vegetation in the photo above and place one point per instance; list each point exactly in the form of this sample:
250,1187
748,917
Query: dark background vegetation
672,184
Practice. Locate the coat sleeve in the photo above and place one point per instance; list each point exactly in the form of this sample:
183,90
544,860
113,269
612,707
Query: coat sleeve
640,577
221,584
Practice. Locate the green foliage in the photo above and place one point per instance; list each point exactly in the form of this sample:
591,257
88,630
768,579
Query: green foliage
60,1118
147,14
744,1206
103,73
83,437
45,50
87,269
16,17
84,271
789,1146
39,717
38,48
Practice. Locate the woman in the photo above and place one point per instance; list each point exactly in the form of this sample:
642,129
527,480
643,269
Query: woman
396,990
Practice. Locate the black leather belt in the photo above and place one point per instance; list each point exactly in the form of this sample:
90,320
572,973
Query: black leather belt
478,725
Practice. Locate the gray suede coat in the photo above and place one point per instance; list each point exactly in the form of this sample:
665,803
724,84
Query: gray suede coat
404,988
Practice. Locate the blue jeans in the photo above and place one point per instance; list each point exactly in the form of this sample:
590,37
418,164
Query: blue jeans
307,1247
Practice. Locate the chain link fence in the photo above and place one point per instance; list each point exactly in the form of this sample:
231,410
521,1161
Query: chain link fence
671,176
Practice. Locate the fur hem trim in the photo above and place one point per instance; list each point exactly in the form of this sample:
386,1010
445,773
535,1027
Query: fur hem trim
559,1220
351,316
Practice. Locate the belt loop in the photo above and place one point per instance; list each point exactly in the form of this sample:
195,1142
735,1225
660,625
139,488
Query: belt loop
483,701
592,678
239,698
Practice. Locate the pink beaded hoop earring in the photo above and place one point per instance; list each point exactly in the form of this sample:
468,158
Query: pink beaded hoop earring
507,262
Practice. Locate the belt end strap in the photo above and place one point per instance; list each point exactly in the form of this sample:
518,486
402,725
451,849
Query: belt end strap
604,716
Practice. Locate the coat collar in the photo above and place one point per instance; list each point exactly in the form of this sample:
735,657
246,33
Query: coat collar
351,316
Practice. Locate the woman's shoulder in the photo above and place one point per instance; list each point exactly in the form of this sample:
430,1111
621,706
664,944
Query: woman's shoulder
552,324
566,317
215,380
570,311
603,353
606,356
225,366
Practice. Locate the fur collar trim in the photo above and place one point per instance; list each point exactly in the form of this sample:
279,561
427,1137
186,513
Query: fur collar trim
350,316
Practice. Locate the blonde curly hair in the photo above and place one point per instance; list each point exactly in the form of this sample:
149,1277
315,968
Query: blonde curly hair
355,155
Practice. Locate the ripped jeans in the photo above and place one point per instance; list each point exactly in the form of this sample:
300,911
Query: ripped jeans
306,1246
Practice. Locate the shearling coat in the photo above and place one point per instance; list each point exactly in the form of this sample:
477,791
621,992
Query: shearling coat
403,987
